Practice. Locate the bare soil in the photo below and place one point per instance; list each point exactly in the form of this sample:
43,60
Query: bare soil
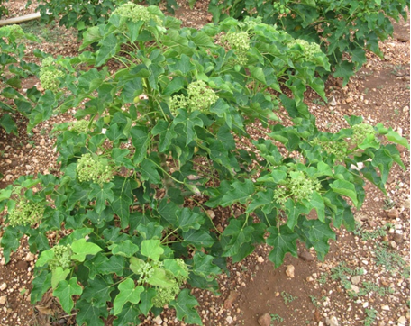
316,293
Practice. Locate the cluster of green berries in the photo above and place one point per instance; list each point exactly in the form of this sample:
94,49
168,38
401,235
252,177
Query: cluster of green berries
282,9
49,75
240,43
62,257
337,148
298,187
136,13
310,49
26,213
199,97
79,126
94,169
361,132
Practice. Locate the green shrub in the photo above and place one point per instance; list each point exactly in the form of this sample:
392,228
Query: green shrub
165,139
345,29
13,68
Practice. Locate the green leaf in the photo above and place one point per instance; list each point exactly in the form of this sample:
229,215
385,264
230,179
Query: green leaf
344,69
240,192
283,240
345,188
114,265
146,297
199,239
151,249
184,306
317,202
58,275
149,172
187,219
124,248
7,122
97,292
182,66
128,293
90,314
319,233
174,86
40,285
396,138
108,48
65,290
140,139
159,278
129,316
101,194
82,248
44,258
203,265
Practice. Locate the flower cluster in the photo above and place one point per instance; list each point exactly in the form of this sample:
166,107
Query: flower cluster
298,187
136,13
282,9
337,148
361,132
26,213
199,97
49,75
94,169
240,43
310,49
62,257
79,126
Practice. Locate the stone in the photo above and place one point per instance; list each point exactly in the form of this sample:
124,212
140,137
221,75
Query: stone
392,213
332,321
317,316
264,319
355,280
158,320
3,299
228,303
355,289
229,319
401,321
29,256
305,255
3,287
290,271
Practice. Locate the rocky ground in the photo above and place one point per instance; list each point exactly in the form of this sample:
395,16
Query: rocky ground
364,280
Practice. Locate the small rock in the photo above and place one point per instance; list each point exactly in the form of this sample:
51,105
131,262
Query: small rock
3,287
229,319
355,289
399,237
29,256
392,213
393,244
28,146
228,303
3,299
401,321
349,100
211,214
317,316
209,18
332,321
260,259
290,271
305,255
320,323
385,307
355,280
264,319
158,320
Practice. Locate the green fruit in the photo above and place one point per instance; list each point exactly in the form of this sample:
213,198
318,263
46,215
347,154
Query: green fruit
136,100
107,118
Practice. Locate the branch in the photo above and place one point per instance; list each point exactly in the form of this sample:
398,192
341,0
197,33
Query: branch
21,19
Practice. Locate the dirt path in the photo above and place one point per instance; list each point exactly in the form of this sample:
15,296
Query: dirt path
361,282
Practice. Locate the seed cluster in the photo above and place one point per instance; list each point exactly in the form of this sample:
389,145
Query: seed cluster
298,187
62,257
136,13
79,126
94,170
199,97
337,148
240,43
310,49
360,132
49,75
26,213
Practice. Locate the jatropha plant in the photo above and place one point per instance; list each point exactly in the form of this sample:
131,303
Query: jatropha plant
166,138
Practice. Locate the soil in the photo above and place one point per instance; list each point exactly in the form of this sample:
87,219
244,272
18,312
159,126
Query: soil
304,290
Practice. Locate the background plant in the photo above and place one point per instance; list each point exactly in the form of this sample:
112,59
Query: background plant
3,9
344,29
13,69
166,138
